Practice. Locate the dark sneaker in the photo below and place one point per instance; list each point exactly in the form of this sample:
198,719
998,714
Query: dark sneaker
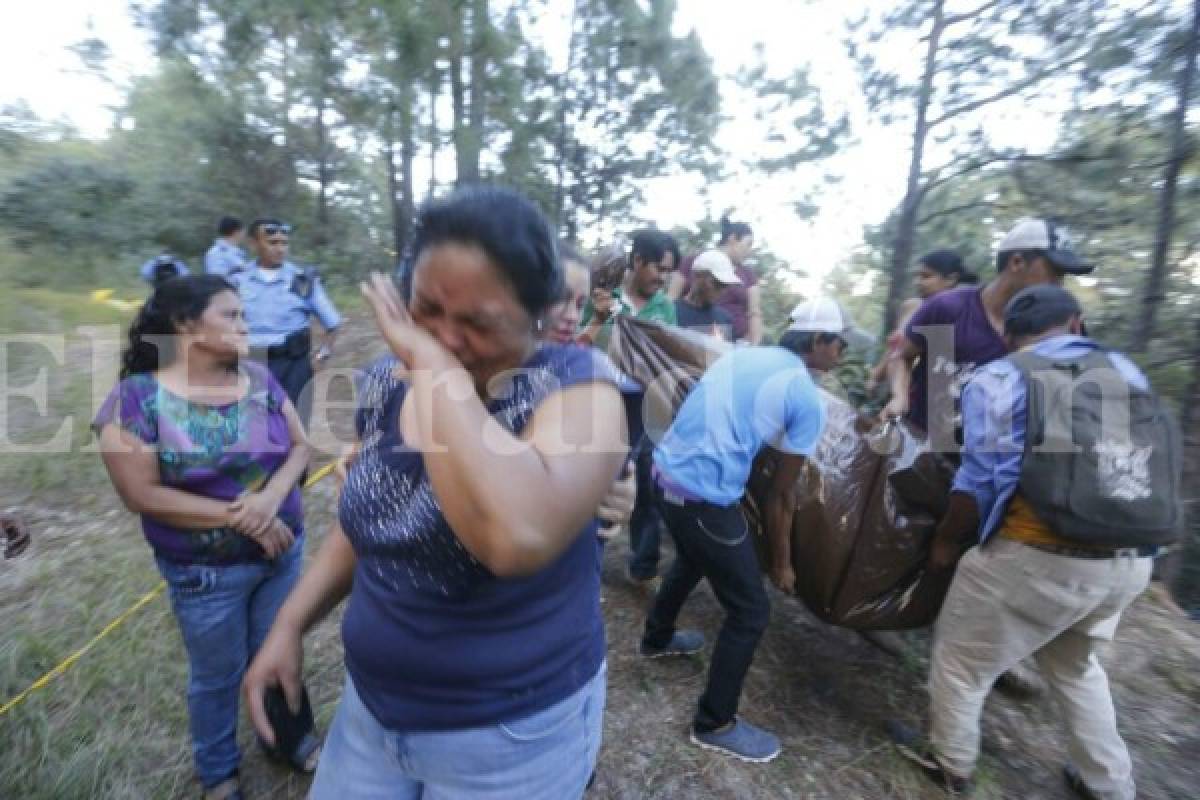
740,740
648,583
683,643
16,536
1075,782
910,744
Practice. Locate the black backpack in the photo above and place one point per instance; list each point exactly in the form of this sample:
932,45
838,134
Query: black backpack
1103,462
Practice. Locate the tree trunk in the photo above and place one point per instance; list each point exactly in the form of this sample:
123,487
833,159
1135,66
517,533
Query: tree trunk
906,229
285,80
324,172
435,133
477,108
1181,151
408,149
1182,569
398,238
561,144
458,99
400,187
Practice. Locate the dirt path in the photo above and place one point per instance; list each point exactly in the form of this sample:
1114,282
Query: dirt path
116,725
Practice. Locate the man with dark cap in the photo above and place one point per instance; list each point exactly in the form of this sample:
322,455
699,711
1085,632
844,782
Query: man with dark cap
958,331
1028,587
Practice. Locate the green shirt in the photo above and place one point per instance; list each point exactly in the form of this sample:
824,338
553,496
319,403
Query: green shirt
658,308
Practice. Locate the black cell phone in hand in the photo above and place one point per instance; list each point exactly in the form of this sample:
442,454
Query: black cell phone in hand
290,729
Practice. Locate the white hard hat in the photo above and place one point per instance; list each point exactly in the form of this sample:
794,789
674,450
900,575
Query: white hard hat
717,264
826,315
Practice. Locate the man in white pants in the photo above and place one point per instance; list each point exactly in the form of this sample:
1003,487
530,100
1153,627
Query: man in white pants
1027,588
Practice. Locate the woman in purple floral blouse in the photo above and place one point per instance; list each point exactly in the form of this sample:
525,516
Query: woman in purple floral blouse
206,447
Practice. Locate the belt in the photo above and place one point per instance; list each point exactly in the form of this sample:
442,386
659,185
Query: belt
1145,551
673,493
296,345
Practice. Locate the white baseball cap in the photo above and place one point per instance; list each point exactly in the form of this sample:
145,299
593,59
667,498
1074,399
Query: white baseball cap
717,264
1040,234
826,315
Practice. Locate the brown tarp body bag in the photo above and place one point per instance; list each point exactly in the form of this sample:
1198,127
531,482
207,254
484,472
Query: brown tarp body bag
867,501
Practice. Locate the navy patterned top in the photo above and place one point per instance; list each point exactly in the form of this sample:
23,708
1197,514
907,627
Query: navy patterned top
433,640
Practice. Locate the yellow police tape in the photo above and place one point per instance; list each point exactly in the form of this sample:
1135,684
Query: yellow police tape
70,660
105,296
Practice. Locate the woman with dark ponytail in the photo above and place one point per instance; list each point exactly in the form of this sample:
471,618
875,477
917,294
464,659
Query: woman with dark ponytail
208,450
935,273
742,302
150,334
465,542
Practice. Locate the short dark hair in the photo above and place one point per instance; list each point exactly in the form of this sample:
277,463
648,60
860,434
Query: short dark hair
673,248
650,245
733,230
1003,257
1037,309
261,221
228,226
508,227
801,342
948,264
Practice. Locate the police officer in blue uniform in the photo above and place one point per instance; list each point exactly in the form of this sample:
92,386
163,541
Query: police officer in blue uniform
225,257
162,267
279,300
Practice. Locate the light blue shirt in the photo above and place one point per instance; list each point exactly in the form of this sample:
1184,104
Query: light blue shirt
223,258
147,270
750,398
273,311
994,423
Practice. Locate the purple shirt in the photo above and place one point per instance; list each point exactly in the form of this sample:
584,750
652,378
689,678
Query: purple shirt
733,300
975,343
214,451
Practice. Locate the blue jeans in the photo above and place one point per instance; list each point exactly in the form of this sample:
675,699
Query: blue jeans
548,755
224,613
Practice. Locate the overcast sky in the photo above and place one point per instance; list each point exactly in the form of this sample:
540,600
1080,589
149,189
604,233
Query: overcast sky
36,66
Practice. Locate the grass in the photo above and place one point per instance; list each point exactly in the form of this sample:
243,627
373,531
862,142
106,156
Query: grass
115,724
51,311
70,387
84,734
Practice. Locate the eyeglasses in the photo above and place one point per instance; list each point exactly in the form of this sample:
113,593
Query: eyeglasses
276,228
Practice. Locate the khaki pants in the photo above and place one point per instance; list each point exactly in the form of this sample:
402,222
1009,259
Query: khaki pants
1008,601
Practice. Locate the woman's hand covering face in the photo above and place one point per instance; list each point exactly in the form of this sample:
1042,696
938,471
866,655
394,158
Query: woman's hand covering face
407,340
